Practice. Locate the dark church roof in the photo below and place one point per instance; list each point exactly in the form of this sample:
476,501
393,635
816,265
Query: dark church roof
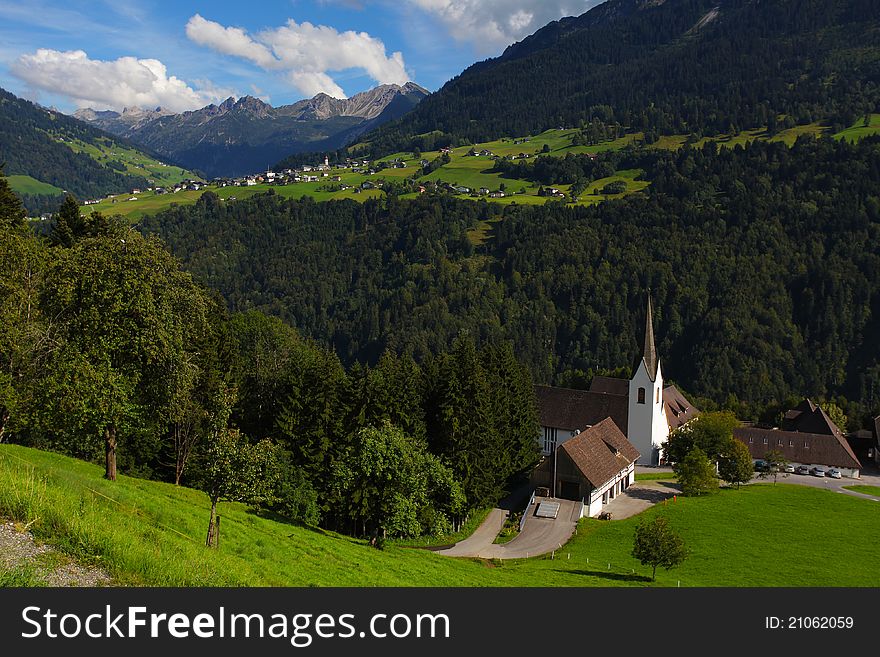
799,446
564,408
609,385
679,411
600,452
650,352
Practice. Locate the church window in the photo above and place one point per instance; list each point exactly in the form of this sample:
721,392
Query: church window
641,398
658,395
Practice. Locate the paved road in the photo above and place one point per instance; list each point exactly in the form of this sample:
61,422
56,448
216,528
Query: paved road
870,478
830,484
539,535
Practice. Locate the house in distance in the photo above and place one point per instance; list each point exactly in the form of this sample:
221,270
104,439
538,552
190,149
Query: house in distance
807,437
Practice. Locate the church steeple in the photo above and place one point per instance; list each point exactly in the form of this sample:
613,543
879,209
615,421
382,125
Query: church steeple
650,354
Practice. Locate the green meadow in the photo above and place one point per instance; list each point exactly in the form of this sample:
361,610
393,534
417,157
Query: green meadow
151,533
132,161
858,129
866,490
474,172
28,185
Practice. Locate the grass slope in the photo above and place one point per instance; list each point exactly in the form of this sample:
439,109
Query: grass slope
146,532
131,161
474,172
28,185
858,129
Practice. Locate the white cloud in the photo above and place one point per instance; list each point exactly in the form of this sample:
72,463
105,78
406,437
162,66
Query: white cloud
124,82
305,52
490,25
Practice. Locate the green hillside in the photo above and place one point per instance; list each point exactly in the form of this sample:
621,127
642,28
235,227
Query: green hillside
47,153
150,533
112,154
663,68
28,185
474,172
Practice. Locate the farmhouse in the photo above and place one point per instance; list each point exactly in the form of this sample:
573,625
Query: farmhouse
594,466
642,408
807,437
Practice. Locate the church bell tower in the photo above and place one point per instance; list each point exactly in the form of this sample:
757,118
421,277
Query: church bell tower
647,427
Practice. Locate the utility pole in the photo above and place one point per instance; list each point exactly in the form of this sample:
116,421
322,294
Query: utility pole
555,452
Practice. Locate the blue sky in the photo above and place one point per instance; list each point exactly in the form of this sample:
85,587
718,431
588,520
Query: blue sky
182,55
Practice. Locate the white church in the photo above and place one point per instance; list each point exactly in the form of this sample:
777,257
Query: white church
643,408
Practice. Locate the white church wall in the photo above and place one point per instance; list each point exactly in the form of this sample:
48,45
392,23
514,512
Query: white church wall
647,428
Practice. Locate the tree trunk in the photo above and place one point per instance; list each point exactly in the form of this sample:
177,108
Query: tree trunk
211,541
110,453
654,574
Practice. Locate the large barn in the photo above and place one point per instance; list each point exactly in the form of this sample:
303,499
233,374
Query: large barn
807,437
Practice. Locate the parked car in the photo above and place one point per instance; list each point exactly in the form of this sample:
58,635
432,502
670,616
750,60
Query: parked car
761,466
802,469
788,467
834,473
818,472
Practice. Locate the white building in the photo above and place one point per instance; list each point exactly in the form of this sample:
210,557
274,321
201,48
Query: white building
642,408
593,467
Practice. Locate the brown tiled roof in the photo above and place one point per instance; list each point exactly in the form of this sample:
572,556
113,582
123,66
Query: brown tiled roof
600,452
679,410
799,446
609,385
807,417
791,415
569,409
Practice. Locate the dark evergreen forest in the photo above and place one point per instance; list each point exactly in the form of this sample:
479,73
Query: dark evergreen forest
674,67
763,263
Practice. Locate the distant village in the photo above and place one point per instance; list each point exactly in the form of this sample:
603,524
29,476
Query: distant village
325,172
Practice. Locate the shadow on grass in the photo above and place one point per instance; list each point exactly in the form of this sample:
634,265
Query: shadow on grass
604,574
277,517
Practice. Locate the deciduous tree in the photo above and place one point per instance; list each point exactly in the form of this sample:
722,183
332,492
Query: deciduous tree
657,544
735,464
696,473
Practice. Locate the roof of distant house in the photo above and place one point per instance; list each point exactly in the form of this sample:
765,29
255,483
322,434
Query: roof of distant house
600,452
809,418
799,446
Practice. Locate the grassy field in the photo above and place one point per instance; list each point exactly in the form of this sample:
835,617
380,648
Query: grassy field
474,172
858,129
133,162
149,533
867,490
28,185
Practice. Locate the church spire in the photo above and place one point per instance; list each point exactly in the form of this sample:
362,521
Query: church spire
650,354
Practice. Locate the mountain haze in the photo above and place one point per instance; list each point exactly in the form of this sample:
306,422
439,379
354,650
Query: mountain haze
247,135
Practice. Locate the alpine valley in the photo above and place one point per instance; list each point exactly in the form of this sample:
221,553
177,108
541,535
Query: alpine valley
247,135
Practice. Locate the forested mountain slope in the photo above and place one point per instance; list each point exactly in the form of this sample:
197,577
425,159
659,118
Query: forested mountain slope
49,149
679,66
763,264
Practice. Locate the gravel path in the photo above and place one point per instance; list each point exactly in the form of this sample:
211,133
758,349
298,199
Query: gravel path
19,549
